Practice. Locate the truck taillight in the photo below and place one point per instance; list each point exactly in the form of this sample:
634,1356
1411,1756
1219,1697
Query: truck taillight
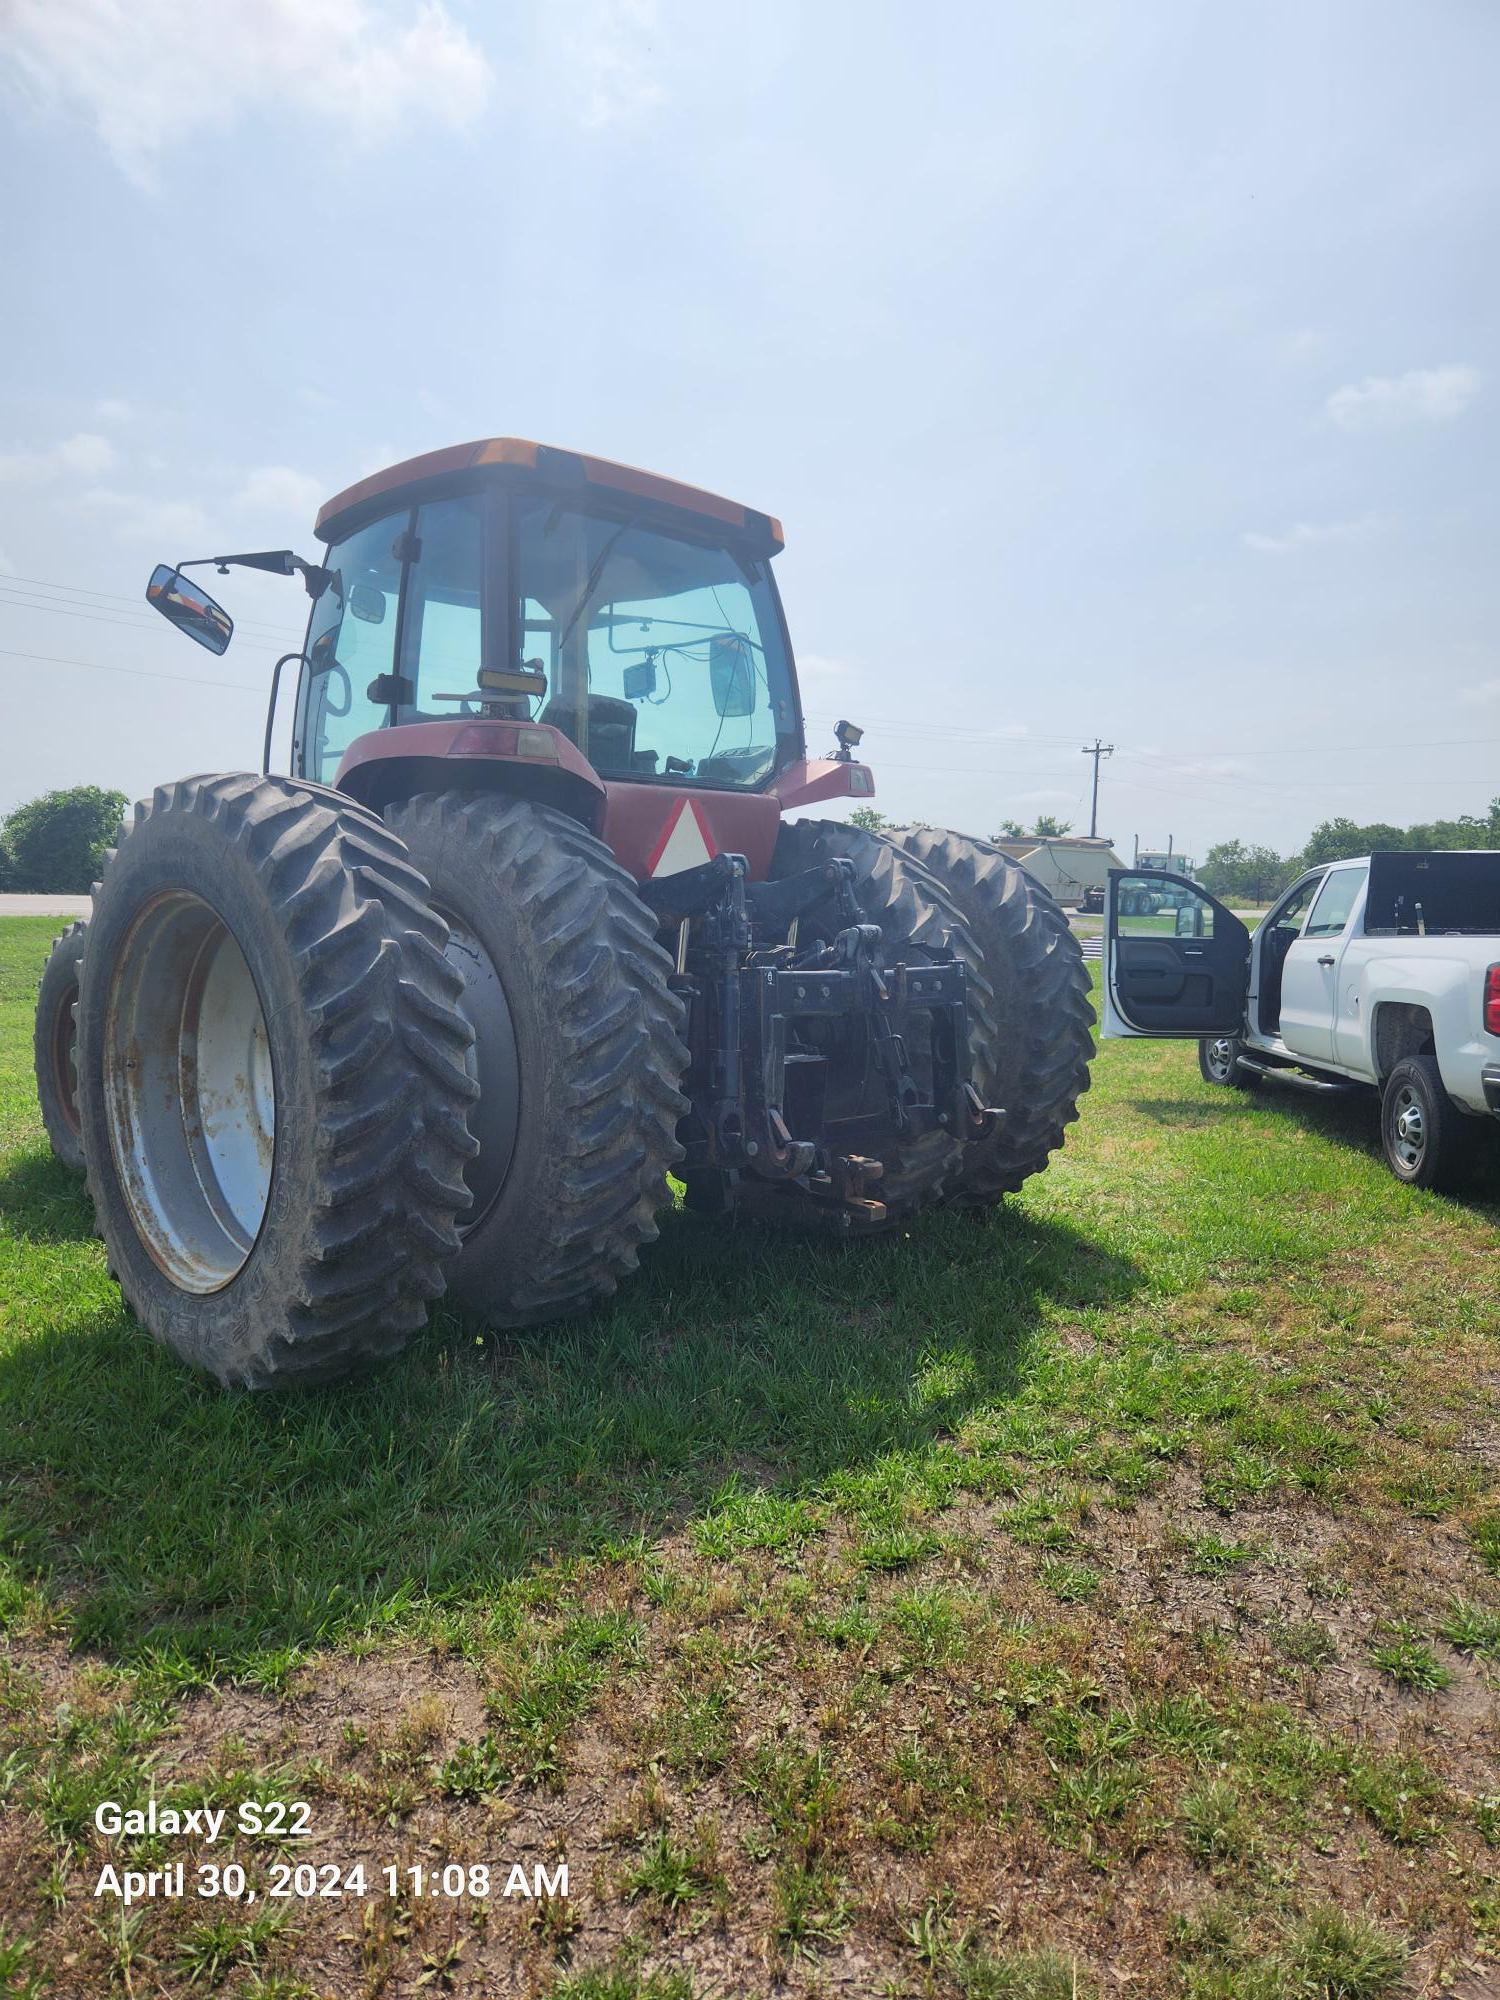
1492,1000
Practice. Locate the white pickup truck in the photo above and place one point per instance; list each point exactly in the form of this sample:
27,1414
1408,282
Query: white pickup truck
1382,972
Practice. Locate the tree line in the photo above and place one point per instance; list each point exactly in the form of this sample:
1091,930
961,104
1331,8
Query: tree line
55,845
1257,874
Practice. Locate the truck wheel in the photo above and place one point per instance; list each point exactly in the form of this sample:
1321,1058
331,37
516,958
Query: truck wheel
578,1049
1218,1062
273,1085
911,906
1031,1053
54,1046
1427,1140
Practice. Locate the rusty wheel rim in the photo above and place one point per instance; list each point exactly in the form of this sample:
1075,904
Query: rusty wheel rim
189,1092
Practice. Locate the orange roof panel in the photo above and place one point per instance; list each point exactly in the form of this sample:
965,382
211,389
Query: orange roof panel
524,455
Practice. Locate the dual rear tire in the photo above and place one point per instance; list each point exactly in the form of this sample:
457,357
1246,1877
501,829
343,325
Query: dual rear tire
328,1066
294,1138
1027,987
273,1080
55,1046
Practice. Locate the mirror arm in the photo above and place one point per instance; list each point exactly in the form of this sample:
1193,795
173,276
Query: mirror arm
265,758
280,562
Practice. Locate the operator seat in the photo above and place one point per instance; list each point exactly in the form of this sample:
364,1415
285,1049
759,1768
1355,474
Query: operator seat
611,729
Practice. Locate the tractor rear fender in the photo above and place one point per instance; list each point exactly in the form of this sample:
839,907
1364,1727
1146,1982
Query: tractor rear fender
528,760
814,778
651,829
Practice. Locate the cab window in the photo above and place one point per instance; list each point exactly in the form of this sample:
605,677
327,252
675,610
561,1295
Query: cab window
662,656
351,640
442,636
1330,913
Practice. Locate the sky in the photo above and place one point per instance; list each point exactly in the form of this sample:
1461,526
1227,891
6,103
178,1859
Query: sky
1116,371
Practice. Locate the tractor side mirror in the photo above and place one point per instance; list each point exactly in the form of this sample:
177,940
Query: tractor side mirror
190,609
731,675
368,603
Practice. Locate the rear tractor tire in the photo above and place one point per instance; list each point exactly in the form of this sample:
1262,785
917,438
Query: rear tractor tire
912,905
1031,1046
273,1080
54,1044
578,1051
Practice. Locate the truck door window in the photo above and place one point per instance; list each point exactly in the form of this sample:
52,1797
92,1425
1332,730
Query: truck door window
1144,908
351,640
1335,900
1288,918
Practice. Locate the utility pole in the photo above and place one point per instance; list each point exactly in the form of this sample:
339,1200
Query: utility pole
1096,750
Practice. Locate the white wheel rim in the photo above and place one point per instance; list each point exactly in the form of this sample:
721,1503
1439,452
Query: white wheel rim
189,1092
1408,1128
1221,1059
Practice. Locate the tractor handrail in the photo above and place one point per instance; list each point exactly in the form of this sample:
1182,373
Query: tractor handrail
265,757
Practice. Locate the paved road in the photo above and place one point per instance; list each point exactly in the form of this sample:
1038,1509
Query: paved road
44,906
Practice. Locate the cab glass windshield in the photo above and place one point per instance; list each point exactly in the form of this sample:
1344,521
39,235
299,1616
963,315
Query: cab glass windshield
663,658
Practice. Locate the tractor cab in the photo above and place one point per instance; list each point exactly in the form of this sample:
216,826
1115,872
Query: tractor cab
634,617
505,615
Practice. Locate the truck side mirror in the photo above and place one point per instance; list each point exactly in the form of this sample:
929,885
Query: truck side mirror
190,609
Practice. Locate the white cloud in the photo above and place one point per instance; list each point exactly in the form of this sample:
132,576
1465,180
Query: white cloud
175,529
1311,535
608,49
146,78
1420,396
82,456
280,491
110,410
1484,691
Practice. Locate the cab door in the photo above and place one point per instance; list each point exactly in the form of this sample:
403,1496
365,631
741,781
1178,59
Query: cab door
1176,962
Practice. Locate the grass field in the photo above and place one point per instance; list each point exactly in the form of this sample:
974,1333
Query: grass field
1099,1598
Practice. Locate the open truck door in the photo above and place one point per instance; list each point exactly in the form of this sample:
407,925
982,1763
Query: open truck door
1176,962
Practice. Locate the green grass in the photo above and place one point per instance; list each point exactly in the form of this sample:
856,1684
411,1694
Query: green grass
812,1587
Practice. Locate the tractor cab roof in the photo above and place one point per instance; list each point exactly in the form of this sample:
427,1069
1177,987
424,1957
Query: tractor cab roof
521,462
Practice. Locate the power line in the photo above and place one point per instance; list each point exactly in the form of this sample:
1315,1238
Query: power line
10,581
1319,749
251,639
140,673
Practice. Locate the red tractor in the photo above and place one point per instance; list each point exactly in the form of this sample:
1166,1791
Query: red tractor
525,931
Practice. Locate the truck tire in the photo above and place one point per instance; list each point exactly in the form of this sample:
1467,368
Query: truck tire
54,1046
273,1080
1218,1063
1428,1142
1031,1053
912,906
578,1048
